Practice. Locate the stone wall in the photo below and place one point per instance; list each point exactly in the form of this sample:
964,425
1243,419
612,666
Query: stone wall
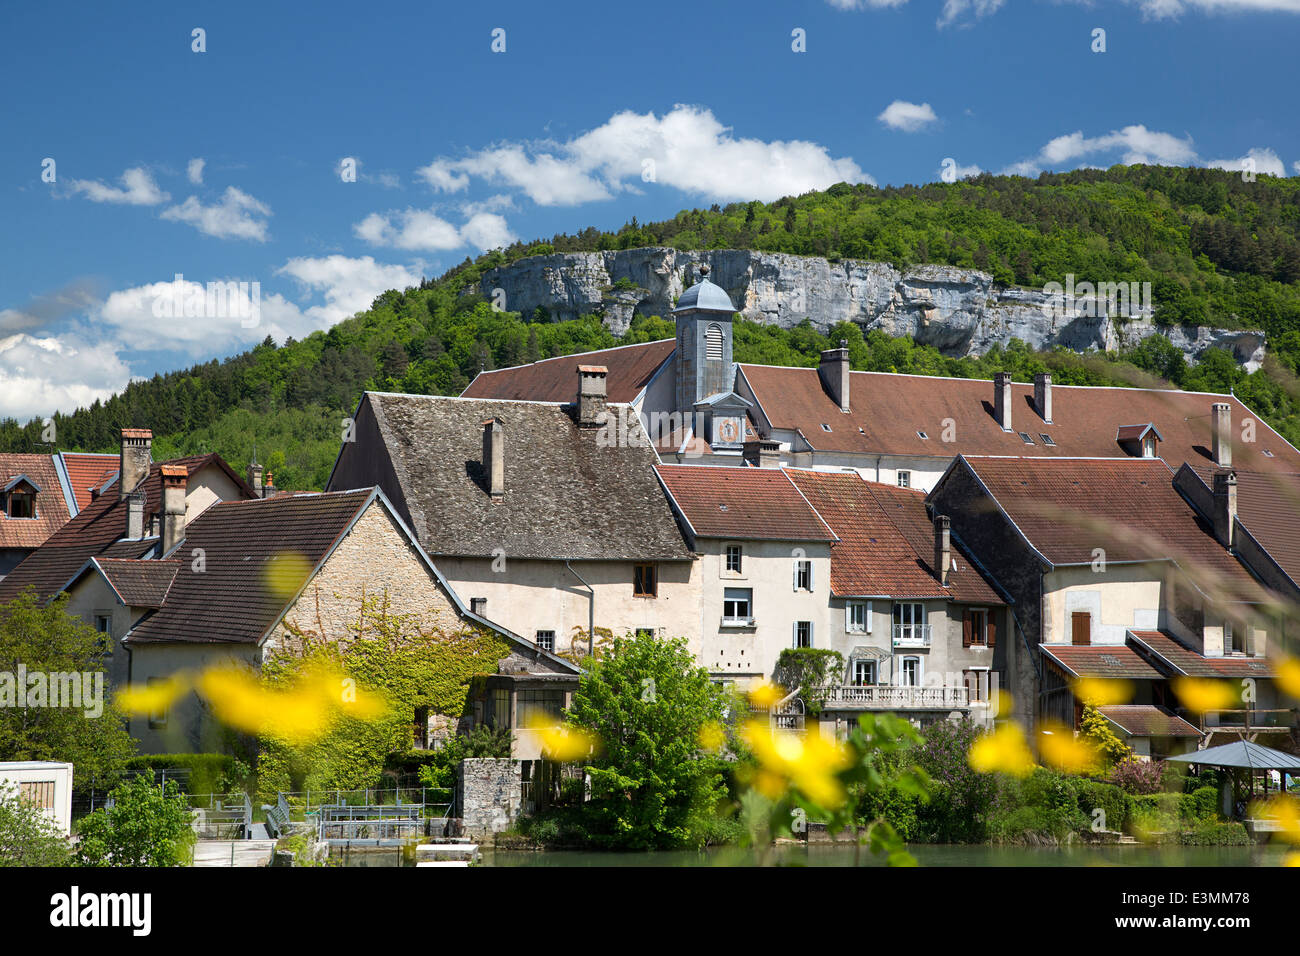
489,795
958,311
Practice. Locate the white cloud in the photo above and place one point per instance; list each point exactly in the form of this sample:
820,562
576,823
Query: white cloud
686,148
865,4
1296,167
1134,145
487,230
39,374
138,189
348,285
1259,159
954,10
237,215
908,117
958,171
194,171
415,229
1170,9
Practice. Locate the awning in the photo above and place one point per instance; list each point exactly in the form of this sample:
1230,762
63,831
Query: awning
1244,755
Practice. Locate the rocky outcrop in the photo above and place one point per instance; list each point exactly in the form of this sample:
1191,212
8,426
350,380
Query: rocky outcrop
958,311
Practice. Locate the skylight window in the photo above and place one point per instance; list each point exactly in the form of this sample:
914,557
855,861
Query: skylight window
1026,438
1047,439
923,435
825,427
1268,453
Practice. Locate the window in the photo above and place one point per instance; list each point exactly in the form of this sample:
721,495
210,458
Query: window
499,708
477,605
1080,628
825,427
420,728
803,580
539,707
905,479
157,718
104,625
1027,438
1233,639
737,605
909,623
923,435
864,673
645,632
803,634
734,558
974,628
977,684
1047,439
713,343
857,617
1148,447
22,505
645,580
545,640
910,672
38,792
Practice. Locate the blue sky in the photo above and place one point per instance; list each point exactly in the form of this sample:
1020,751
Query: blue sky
226,164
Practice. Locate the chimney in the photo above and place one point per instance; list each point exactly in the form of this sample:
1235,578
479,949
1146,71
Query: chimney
1221,438
591,395
174,480
762,453
833,370
135,458
1225,506
1043,395
494,457
135,514
255,477
942,548
1002,399
268,486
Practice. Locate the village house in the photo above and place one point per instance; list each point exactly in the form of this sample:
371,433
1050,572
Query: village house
1112,574
39,494
542,516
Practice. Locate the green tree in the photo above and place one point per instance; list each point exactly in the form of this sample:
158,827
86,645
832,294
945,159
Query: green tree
28,837
652,785
147,825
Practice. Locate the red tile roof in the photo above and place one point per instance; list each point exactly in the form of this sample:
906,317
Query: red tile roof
1069,507
1147,720
1176,657
87,471
887,410
886,544
139,583
1100,660
51,506
742,503
630,367
1268,505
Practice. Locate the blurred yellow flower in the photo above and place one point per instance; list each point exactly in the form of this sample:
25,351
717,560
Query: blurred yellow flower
1002,750
1202,694
1060,748
1285,811
712,736
141,699
285,574
1004,704
809,764
299,713
563,743
1288,676
764,694
1292,858
1101,692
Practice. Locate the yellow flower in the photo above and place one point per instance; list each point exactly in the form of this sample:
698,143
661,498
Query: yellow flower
563,743
1291,859
1004,704
764,694
1101,692
1002,750
154,698
285,574
1288,676
1063,750
1285,811
808,764
299,713
712,736
1201,694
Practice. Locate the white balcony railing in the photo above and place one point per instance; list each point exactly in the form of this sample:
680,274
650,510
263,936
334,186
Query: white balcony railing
911,635
881,697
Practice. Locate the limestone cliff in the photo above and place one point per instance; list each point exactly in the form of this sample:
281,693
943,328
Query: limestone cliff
959,311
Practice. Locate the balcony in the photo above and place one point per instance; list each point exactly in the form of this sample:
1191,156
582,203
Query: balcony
1255,720
733,623
911,635
881,697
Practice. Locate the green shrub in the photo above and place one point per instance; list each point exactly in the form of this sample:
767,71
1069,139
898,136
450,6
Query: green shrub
1200,806
899,808
1217,833
208,773
1110,799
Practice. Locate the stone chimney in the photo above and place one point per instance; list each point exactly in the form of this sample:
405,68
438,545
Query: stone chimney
762,453
255,477
1043,395
1221,435
1225,507
942,548
134,460
174,480
591,395
833,370
135,514
494,457
1002,399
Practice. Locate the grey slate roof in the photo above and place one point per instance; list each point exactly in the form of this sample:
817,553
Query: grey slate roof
569,494
706,296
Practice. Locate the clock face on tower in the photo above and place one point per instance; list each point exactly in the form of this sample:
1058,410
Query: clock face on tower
727,431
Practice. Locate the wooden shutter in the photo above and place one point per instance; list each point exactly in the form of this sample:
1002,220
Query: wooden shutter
991,628
1081,627
868,617
966,626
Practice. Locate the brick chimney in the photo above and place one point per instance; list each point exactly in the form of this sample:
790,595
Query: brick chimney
942,548
494,457
591,395
1221,435
268,486
1002,399
833,370
135,514
1225,507
1043,395
134,459
762,453
255,472
174,480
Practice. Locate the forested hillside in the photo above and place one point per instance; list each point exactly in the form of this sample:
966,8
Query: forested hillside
1217,250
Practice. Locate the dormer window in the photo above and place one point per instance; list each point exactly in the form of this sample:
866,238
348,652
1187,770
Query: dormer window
1142,441
18,497
22,505
1149,447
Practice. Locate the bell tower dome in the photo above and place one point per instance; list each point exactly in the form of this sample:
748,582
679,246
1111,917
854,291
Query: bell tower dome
704,315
